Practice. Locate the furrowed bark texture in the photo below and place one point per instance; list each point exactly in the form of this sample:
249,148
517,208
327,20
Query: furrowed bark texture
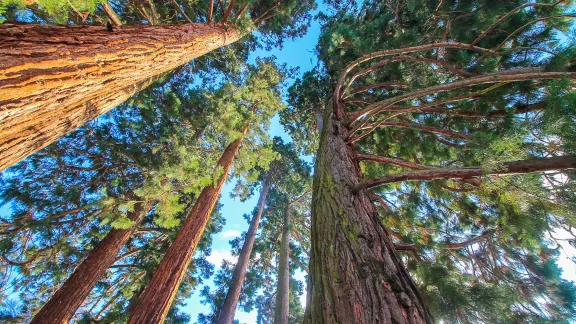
53,79
64,303
157,298
282,291
355,274
229,308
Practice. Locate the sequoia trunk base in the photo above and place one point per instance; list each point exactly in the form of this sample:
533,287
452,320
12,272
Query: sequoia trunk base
355,274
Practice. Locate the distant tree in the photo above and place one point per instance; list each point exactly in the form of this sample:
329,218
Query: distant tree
288,168
57,78
434,119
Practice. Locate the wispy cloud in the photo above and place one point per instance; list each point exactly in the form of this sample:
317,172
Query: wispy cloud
230,234
217,256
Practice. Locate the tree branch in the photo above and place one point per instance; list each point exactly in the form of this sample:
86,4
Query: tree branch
504,76
391,161
228,11
181,11
508,168
114,18
448,246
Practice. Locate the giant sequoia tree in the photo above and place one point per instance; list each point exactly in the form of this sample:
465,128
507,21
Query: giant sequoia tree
56,78
434,122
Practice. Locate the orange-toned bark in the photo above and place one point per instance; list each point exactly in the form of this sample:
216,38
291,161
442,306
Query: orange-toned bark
157,298
54,79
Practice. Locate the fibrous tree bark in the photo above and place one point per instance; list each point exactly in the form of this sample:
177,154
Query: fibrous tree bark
282,307
54,79
157,298
355,273
64,303
229,308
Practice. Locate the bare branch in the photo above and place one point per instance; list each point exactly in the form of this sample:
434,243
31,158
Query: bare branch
449,246
228,11
210,11
112,15
504,76
177,6
508,168
377,85
515,10
391,161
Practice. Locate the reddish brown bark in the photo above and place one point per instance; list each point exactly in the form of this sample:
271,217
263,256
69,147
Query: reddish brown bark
229,308
64,303
54,79
157,298
355,274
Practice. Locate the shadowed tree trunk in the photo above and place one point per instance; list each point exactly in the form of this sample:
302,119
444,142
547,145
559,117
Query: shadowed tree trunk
54,79
355,274
229,308
157,298
64,303
282,291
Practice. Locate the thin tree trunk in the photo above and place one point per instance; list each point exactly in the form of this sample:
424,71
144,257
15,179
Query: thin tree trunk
283,288
64,303
157,298
114,18
54,79
229,308
355,274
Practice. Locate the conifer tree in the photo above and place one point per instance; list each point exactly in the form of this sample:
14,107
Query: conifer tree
286,168
478,89
56,78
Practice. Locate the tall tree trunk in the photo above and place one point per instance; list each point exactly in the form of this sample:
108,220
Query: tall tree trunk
155,302
355,274
64,303
229,308
53,79
283,289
